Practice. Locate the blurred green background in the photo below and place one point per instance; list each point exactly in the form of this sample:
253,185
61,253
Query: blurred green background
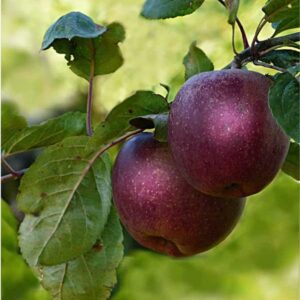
260,259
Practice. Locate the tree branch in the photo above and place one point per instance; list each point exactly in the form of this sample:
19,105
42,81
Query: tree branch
260,26
243,33
11,176
266,65
9,168
259,48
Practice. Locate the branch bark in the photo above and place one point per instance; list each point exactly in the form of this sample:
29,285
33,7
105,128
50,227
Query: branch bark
260,47
266,44
11,176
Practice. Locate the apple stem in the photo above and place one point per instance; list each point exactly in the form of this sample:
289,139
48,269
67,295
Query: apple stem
235,64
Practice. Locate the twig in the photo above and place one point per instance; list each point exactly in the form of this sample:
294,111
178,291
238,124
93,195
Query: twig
259,28
11,176
243,33
262,53
115,142
9,168
89,108
266,65
232,41
241,28
106,147
246,55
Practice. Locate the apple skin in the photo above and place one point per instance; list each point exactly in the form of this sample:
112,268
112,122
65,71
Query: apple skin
160,209
222,135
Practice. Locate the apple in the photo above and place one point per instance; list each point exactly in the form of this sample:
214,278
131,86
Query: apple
160,209
222,135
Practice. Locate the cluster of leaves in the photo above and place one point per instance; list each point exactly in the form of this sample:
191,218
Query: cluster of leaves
283,15
284,93
71,236
70,228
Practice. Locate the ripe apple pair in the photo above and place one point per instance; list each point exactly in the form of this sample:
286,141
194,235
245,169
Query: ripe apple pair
186,196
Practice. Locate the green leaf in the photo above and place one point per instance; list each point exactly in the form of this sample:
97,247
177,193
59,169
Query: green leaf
86,45
291,165
8,228
168,90
117,122
18,280
196,62
273,7
47,133
73,24
232,6
159,122
283,14
14,271
162,9
67,196
295,70
287,23
282,58
284,103
11,121
92,275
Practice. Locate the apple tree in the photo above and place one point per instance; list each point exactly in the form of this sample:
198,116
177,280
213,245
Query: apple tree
179,184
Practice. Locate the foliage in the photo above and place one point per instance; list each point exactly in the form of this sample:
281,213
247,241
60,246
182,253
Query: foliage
283,14
159,122
94,272
72,211
71,236
90,49
196,62
282,58
117,121
283,99
45,134
233,6
162,9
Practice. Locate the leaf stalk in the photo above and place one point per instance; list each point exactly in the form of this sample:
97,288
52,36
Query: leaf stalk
89,108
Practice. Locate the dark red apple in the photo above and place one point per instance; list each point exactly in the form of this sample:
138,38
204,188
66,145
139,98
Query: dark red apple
160,209
222,135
